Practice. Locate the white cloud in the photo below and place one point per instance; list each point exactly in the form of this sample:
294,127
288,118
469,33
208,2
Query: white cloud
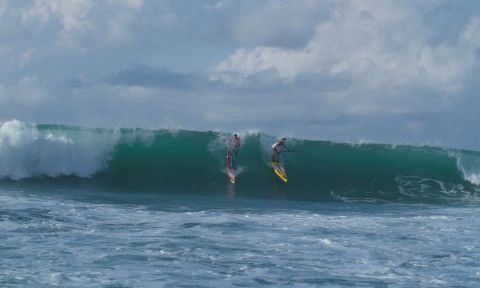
382,46
286,63
79,21
344,66
72,15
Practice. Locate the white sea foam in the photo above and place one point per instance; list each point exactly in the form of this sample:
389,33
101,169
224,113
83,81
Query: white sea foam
473,178
26,151
469,165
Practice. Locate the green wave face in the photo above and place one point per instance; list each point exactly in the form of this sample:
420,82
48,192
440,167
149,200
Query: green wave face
324,171
194,162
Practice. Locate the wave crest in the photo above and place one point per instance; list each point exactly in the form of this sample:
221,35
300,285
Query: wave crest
26,151
162,160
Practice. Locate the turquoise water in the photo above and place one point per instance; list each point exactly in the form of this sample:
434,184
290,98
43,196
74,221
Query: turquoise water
190,162
154,208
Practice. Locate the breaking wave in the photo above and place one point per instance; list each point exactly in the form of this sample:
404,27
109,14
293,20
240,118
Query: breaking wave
193,162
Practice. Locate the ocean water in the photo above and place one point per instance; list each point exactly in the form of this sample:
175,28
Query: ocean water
154,208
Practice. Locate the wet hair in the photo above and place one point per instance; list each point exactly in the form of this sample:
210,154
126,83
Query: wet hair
234,135
284,138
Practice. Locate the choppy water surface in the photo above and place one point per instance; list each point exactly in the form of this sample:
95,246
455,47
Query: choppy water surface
144,240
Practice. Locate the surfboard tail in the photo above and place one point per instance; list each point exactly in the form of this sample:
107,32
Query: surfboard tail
280,171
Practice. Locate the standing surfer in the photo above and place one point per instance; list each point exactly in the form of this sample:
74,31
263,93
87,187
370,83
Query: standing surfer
236,143
276,149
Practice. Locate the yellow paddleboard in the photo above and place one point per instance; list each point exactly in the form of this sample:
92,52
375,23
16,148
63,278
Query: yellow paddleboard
280,171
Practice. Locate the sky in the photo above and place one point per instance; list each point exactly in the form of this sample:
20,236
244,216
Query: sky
356,71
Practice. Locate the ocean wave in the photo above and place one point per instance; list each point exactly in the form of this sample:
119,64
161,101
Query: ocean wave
181,160
27,151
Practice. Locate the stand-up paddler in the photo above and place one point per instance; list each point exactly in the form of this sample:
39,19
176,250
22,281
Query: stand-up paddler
276,149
